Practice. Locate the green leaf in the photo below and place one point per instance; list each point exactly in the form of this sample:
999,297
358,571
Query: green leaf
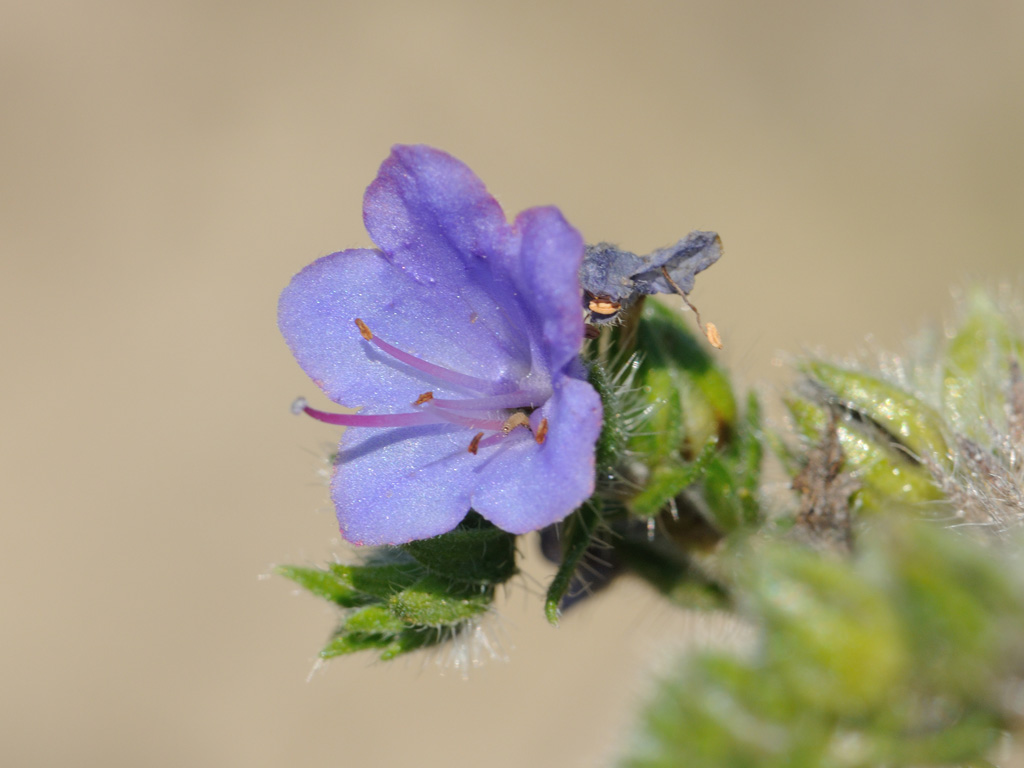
578,530
344,644
378,581
668,480
696,398
732,478
373,620
336,587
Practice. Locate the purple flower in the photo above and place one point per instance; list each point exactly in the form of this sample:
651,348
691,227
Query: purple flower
460,339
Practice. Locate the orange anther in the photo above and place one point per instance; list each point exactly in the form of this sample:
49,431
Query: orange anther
364,330
712,333
603,306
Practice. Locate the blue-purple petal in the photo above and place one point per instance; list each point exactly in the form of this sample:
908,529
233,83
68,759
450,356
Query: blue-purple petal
457,326
528,486
431,214
549,258
399,485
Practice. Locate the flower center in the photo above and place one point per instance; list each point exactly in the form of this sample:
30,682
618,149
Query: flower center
472,413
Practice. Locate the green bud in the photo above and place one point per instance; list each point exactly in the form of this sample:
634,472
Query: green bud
910,422
433,602
836,641
732,477
962,604
694,396
976,365
888,477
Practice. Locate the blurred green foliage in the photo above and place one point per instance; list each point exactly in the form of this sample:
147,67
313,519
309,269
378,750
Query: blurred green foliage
903,655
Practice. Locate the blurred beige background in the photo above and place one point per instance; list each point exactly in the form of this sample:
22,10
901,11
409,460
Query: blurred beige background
167,166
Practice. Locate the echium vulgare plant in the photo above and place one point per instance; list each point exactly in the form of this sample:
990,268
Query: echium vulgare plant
493,406
510,378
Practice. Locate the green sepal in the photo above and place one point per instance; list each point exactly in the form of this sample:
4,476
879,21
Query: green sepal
910,422
415,638
476,552
389,646
577,532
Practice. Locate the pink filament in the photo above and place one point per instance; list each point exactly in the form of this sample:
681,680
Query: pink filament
370,420
417,418
437,371
518,399
436,411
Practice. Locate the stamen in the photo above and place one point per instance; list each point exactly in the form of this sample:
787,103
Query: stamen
437,371
542,432
518,399
710,331
491,425
474,444
372,420
517,419
426,397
